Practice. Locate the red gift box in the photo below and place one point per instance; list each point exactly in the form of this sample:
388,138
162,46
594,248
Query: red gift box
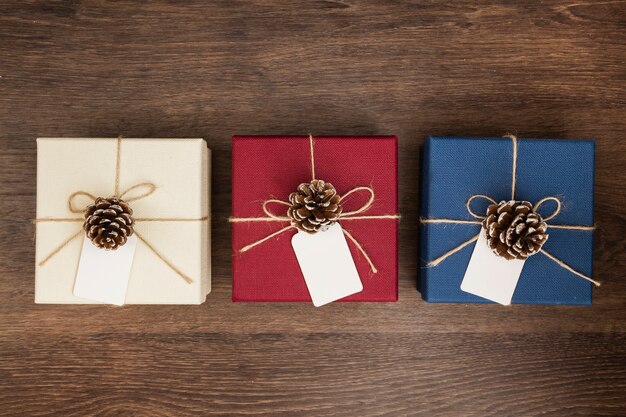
272,167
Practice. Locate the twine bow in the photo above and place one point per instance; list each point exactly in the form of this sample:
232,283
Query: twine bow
348,215
559,262
133,193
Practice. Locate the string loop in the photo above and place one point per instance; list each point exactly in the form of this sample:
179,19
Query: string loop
557,210
366,206
71,201
272,215
472,198
146,189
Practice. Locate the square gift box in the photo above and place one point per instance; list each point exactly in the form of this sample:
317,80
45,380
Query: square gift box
454,168
272,167
171,264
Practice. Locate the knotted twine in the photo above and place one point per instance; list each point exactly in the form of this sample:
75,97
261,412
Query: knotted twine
142,190
348,215
557,210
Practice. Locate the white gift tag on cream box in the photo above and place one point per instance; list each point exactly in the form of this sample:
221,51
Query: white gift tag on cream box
327,265
491,276
103,274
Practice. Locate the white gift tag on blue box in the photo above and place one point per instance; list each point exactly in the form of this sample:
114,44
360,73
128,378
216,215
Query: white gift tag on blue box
103,274
491,276
327,265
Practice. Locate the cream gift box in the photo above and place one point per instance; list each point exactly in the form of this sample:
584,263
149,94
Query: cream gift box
172,260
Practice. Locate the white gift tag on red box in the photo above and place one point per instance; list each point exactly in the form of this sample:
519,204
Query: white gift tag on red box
103,274
327,265
491,276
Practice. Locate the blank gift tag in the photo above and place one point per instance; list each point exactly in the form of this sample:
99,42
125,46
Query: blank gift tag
491,276
327,265
103,274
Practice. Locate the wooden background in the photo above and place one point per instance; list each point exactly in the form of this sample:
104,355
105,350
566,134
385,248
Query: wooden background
411,68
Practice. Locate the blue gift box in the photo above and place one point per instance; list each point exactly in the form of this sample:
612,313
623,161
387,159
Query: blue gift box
454,168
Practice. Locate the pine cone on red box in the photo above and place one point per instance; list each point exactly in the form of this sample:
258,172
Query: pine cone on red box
109,222
314,206
514,230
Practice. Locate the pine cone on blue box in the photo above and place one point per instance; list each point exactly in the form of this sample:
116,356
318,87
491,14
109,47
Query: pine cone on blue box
314,206
514,230
109,222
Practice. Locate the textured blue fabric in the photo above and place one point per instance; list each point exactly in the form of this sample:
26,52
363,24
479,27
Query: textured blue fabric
453,168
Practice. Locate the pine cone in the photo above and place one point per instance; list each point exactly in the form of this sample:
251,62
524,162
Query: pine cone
314,206
109,222
513,230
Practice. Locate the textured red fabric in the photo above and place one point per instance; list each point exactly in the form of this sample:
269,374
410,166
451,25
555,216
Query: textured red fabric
272,167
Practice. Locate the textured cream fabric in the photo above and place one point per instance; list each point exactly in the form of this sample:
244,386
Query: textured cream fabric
180,168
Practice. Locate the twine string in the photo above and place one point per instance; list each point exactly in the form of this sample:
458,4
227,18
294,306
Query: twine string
567,267
171,219
364,207
149,189
514,170
162,258
312,156
472,198
360,248
265,239
78,194
443,257
60,247
141,190
349,215
75,207
118,159
572,227
452,221
271,215
557,210
538,204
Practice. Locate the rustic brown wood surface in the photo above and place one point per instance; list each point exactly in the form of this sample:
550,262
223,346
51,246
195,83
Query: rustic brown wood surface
411,68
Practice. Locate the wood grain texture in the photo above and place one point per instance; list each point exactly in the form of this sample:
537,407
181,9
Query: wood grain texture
411,68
